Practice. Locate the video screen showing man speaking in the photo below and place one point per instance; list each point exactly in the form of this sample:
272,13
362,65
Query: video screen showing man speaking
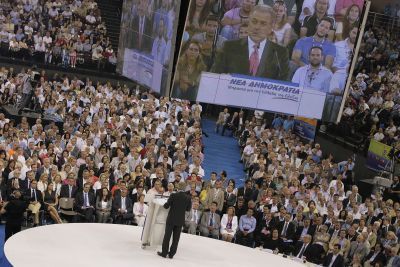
237,49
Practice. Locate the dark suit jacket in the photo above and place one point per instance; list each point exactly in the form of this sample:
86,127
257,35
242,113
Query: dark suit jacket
80,183
307,253
234,58
339,261
379,258
310,231
28,153
262,223
28,196
79,200
117,204
291,229
146,44
231,200
64,192
247,195
383,231
178,203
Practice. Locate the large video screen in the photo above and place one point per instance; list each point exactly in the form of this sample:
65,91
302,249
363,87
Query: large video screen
147,41
269,55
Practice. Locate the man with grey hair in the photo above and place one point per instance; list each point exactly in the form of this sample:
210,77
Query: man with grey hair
255,55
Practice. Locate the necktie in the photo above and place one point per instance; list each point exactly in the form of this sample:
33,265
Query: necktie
141,19
212,219
284,229
302,251
254,61
34,193
70,191
86,200
194,216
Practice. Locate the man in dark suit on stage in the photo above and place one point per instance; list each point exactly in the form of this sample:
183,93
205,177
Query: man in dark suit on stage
334,259
178,203
85,202
14,209
255,55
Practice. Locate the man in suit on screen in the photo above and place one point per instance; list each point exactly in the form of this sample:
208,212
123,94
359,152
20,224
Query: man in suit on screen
179,203
255,55
142,29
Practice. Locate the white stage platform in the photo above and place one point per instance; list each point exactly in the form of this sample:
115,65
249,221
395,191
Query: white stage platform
119,245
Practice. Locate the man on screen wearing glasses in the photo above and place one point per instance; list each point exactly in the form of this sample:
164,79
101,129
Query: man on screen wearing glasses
254,55
314,75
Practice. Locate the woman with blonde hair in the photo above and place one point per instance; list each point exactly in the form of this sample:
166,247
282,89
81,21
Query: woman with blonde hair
229,224
282,28
43,182
188,71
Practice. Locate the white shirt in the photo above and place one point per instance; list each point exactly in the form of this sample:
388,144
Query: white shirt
123,207
343,50
314,79
261,47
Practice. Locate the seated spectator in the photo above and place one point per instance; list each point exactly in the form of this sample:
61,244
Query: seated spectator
247,225
282,28
50,201
103,205
210,223
229,224
375,256
198,13
303,249
234,18
310,23
140,211
85,203
122,210
344,27
301,50
334,258
192,219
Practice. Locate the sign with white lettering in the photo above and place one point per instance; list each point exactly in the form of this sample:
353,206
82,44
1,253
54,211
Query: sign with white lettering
260,93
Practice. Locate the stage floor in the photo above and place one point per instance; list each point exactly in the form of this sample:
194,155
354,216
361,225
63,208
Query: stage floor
108,245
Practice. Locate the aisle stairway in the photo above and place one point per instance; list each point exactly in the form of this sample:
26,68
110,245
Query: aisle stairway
111,11
221,153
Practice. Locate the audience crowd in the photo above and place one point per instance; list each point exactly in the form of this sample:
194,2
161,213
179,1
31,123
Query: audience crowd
372,107
61,32
118,146
300,201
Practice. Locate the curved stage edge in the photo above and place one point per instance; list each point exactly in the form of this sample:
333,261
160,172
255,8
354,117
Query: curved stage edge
119,245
